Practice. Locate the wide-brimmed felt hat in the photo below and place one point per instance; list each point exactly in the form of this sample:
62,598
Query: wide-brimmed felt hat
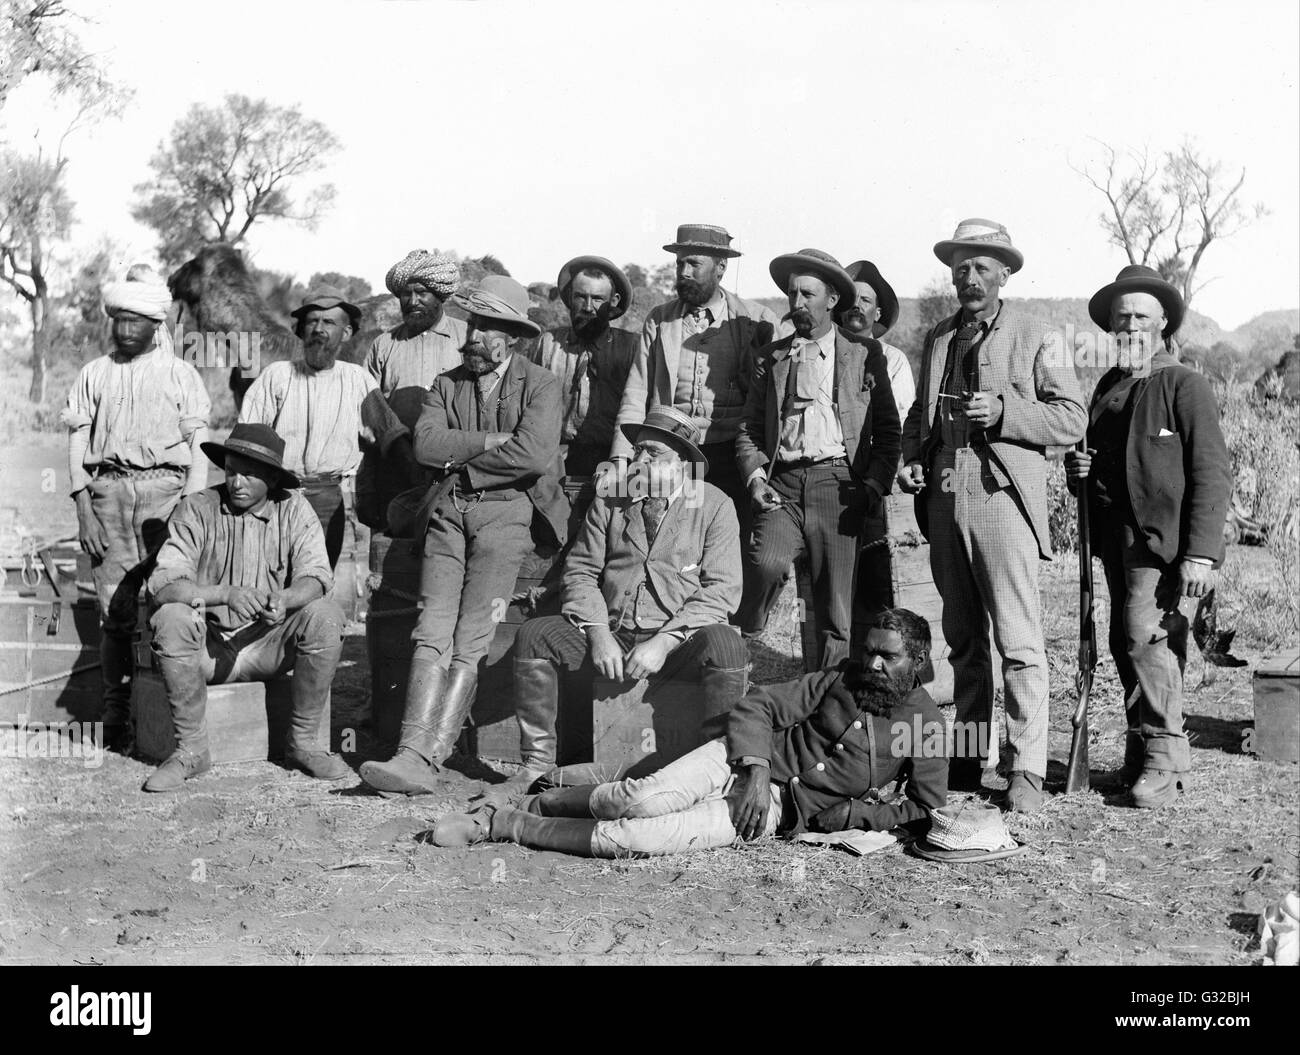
1138,279
819,263
258,443
499,297
564,283
325,297
669,424
702,238
988,236
967,832
886,298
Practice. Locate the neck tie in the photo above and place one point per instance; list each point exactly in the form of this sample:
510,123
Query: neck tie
695,321
580,392
799,393
652,515
483,385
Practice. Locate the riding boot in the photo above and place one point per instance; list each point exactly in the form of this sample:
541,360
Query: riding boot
722,688
187,696
312,674
563,802
117,664
537,698
1134,757
565,834
412,768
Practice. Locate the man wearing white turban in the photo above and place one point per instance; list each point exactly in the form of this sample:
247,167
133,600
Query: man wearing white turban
135,419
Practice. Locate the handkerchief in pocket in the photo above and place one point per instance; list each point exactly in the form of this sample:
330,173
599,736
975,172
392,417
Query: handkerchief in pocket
1163,433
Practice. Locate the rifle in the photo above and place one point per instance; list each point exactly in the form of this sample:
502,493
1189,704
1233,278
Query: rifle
1076,778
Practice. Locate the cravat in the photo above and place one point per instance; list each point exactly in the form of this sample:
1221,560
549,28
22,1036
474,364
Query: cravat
695,321
580,393
652,515
800,392
483,385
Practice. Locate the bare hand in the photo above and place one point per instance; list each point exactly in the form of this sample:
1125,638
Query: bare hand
245,602
911,478
749,800
606,656
1078,464
648,657
983,409
764,496
274,612
1195,579
90,532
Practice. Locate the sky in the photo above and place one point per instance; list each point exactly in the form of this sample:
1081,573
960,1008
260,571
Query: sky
540,131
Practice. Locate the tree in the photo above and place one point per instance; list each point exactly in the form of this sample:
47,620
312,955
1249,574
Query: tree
1164,214
36,36
637,276
354,289
663,279
228,166
35,212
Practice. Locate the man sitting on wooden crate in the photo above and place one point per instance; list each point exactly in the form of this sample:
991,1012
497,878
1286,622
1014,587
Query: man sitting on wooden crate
860,746
646,592
242,586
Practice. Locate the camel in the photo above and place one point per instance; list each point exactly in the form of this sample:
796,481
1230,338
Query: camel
218,295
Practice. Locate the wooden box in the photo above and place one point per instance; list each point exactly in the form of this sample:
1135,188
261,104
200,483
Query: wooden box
49,677
247,721
639,728
1277,707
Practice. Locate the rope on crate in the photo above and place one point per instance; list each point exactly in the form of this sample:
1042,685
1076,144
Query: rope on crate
62,675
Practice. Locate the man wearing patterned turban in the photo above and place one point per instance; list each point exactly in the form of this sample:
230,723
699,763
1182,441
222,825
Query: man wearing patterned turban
135,418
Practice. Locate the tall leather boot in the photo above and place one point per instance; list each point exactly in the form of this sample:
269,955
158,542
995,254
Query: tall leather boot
312,675
187,693
411,770
722,689
537,701
562,802
566,834
117,664
1134,757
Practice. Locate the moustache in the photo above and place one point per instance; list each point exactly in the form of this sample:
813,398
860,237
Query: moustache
855,321
971,291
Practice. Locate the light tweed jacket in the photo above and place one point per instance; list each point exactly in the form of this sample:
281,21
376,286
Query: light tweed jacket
1029,367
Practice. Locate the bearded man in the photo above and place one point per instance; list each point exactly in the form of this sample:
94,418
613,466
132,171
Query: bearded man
491,429
833,750
697,354
590,358
328,412
136,418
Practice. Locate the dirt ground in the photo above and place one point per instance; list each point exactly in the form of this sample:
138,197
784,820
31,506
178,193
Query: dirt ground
251,863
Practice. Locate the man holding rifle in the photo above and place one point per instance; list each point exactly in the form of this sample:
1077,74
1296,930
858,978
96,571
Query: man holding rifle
1157,482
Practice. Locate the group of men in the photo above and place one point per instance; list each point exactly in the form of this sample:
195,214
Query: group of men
723,442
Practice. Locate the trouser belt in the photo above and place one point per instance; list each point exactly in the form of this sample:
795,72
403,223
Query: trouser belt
156,473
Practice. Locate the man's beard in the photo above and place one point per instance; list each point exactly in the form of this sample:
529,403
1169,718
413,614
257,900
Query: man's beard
694,293
477,361
319,354
875,694
589,327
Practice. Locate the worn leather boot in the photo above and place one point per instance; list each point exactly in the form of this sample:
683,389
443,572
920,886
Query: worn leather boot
187,695
562,802
722,689
565,834
537,701
117,665
412,769
180,767
1134,756
1156,788
312,675
1025,793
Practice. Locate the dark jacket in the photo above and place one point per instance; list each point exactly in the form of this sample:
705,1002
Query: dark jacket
825,749
1178,470
529,408
864,406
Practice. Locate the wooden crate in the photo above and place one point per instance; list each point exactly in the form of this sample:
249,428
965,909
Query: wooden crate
49,676
247,721
638,728
1277,707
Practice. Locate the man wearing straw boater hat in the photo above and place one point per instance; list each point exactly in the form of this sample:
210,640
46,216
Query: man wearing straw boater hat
818,448
996,388
590,358
1158,479
328,412
491,429
135,419
242,592
645,593
697,354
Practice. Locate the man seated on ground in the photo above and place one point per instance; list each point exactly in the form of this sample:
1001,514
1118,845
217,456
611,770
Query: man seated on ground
819,754
242,586
646,592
